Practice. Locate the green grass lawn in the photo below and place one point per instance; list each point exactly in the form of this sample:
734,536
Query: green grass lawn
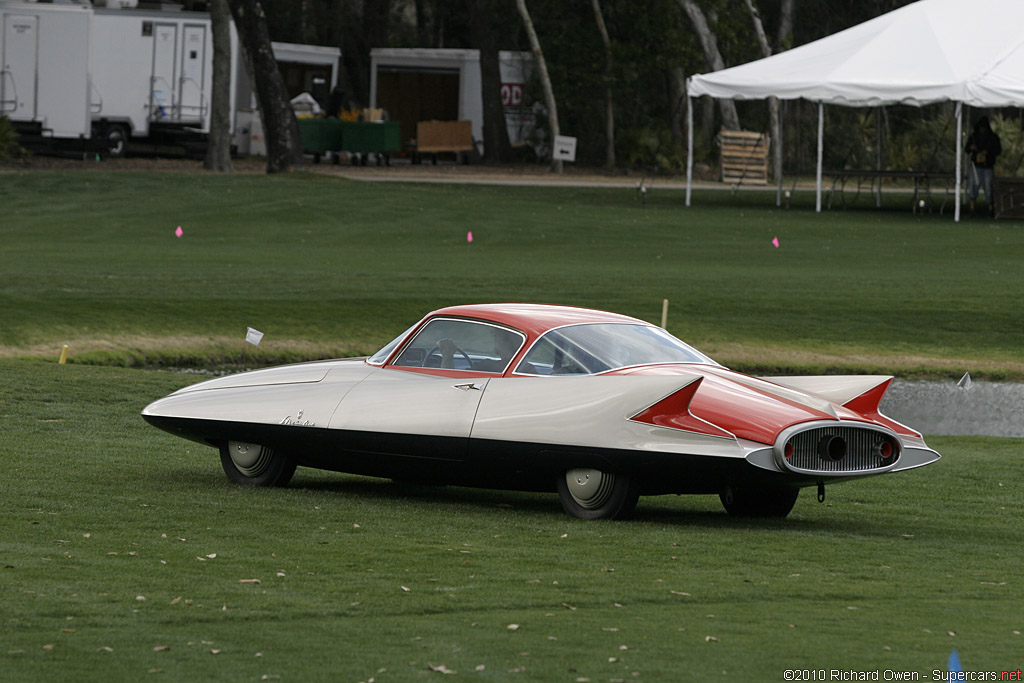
127,553
332,267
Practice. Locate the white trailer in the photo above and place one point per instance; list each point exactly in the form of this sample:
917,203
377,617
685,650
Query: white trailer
44,72
152,73
98,77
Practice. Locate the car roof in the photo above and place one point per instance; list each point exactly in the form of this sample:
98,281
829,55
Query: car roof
534,319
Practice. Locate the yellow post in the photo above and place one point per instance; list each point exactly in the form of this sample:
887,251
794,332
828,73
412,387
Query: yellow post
63,355
664,313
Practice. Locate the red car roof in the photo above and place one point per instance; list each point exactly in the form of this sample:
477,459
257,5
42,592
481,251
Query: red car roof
534,319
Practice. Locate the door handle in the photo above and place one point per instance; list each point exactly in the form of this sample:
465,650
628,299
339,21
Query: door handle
469,385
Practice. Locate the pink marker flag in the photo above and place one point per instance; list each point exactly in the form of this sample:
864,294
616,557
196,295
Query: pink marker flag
775,241
469,236
178,232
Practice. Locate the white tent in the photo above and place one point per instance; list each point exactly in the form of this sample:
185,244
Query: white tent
929,51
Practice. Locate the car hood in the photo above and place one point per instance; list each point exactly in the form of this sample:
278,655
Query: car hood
300,373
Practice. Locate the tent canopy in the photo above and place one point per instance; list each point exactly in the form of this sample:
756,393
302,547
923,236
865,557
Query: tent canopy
929,51
968,52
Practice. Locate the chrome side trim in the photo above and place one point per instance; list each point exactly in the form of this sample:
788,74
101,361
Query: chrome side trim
913,458
764,458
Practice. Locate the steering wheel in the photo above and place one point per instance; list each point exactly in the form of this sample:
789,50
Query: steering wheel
437,350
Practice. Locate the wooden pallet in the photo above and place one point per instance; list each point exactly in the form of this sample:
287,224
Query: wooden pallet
1009,201
745,157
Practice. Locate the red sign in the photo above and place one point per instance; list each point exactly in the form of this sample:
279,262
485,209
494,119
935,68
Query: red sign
512,94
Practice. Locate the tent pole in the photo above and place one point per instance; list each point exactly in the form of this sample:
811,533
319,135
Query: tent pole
821,133
689,146
959,150
878,155
778,152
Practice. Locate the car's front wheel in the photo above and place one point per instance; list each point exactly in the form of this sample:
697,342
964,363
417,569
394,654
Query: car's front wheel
592,494
770,501
255,465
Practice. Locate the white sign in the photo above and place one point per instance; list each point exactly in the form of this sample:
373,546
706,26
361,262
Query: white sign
565,148
253,336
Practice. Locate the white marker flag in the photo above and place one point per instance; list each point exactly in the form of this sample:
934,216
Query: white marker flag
253,336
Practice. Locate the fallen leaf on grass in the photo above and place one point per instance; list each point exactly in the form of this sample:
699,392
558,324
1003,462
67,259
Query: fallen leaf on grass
404,589
710,639
248,581
161,648
513,627
441,668
48,647
681,593
176,600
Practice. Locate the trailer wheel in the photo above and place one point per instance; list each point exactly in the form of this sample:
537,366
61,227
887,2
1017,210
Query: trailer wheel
114,140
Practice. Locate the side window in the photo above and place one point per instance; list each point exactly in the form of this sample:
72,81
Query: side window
461,345
555,354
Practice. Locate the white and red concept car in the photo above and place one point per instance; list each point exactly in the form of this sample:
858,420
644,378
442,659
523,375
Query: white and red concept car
601,407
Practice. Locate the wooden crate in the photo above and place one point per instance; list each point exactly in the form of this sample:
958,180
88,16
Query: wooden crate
745,157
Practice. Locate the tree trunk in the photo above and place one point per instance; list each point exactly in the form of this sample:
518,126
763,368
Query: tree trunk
784,37
609,109
677,93
708,43
218,151
545,82
497,148
773,102
281,130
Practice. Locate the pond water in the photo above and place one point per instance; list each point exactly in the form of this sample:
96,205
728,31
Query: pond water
981,409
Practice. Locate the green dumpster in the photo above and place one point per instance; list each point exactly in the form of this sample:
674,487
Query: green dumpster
381,137
320,136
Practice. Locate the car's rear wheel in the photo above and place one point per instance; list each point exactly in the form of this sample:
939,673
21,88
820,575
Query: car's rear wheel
772,501
255,465
592,494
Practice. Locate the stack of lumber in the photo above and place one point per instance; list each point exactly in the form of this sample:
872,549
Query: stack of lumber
744,157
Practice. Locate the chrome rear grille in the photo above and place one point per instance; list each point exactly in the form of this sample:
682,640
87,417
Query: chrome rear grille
839,449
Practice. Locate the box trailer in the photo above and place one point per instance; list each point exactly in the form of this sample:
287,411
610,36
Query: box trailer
152,73
44,72
419,84
93,78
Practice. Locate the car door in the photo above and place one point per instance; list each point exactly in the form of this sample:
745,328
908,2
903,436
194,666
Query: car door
411,414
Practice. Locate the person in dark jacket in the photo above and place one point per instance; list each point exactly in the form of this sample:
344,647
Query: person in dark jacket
984,146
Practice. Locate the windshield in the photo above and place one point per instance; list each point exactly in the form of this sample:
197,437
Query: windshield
382,355
591,348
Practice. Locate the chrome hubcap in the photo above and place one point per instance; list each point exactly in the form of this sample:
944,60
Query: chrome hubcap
251,459
589,488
